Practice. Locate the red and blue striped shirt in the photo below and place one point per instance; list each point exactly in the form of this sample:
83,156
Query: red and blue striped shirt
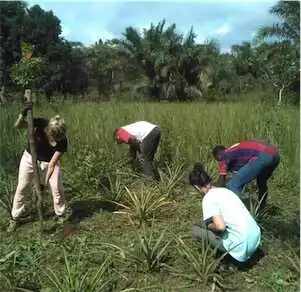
241,153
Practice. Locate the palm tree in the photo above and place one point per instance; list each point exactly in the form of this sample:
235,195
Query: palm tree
282,59
245,64
171,62
288,28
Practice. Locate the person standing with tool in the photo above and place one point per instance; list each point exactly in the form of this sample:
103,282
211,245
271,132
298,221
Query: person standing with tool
51,143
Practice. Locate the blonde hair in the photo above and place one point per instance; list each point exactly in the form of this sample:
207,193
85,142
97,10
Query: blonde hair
56,128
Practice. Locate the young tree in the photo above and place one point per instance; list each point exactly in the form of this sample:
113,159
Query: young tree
281,60
26,75
279,66
109,66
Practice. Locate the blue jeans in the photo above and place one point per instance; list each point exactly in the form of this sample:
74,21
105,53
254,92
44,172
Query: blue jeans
261,168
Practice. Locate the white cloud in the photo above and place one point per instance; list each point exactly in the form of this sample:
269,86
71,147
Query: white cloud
106,35
223,30
200,39
93,35
143,26
226,50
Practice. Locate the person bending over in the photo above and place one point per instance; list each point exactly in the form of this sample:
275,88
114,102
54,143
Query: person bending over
50,143
143,139
249,159
229,225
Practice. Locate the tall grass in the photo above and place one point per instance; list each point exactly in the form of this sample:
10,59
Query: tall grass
77,278
92,168
7,188
188,130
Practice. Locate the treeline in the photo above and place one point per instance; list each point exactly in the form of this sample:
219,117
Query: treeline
160,63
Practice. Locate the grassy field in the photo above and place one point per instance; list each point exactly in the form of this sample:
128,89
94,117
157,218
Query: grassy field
146,245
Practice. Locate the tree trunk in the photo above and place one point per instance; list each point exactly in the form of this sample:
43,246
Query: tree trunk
2,76
2,84
2,94
34,158
280,95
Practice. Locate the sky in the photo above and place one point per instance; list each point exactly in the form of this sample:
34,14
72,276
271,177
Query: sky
229,22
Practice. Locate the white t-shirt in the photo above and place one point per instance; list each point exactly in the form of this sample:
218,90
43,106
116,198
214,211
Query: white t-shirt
139,129
242,235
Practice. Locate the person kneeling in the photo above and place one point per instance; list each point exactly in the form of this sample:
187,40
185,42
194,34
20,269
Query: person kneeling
230,226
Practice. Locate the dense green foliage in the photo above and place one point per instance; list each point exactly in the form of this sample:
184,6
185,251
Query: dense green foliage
160,63
104,250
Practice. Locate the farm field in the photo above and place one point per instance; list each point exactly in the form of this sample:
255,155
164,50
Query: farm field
145,245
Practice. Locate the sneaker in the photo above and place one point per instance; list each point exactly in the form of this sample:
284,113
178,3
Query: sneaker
13,223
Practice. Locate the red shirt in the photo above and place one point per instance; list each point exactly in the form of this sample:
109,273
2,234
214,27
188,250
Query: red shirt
241,153
123,136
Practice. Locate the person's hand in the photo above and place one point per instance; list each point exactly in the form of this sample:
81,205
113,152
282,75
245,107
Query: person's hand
49,172
131,161
25,109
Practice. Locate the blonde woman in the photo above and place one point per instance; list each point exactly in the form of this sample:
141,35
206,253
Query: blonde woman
51,142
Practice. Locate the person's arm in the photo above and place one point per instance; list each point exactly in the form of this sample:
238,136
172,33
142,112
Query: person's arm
132,154
222,170
212,215
134,145
21,122
222,181
123,136
60,149
54,160
216,224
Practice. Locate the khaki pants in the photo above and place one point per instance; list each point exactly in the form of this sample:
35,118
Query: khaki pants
26,177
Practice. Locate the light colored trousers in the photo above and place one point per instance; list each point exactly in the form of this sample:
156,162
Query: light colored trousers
26,177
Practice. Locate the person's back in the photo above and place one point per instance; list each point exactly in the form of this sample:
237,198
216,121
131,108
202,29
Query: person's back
247,160
143,139
139,129
242,235
240,153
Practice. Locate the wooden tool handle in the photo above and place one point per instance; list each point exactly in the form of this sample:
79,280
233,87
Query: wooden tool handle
27,97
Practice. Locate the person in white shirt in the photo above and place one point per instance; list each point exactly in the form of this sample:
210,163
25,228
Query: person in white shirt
229,225
143,139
